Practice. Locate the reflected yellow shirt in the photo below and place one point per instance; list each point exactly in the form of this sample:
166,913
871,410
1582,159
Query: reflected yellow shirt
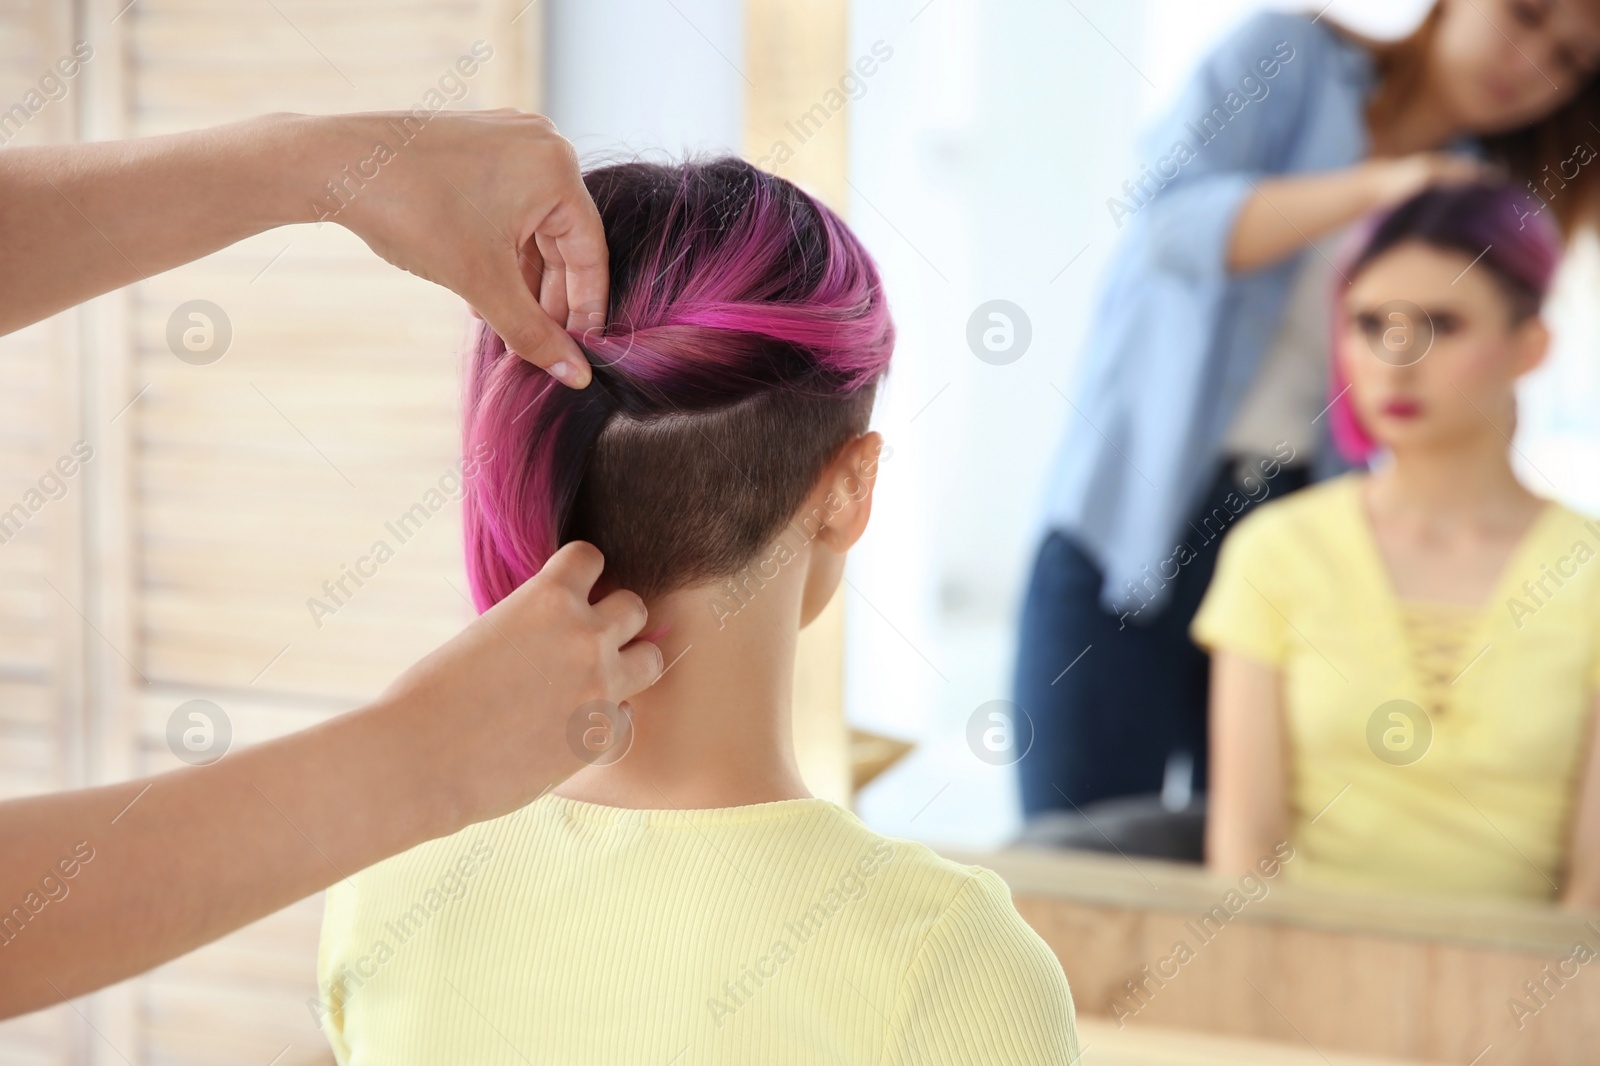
780,932
1433,748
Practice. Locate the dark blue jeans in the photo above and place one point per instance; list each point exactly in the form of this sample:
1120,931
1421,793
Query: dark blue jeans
1108,725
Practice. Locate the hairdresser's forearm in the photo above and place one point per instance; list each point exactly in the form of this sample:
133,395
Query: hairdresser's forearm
475,729
83,219
177,860
1283,214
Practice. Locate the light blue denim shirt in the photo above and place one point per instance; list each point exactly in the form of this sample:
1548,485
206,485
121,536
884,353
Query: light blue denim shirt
1177,338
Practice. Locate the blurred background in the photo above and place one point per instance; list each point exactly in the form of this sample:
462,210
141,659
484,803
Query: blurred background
230,490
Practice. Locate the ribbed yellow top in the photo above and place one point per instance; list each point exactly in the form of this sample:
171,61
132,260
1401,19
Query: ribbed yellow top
780,932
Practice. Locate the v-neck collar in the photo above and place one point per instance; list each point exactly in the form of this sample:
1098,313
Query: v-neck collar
1381,581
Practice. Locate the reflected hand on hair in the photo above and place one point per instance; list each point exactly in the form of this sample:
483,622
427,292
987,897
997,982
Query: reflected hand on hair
1287,211
492,205
1398,178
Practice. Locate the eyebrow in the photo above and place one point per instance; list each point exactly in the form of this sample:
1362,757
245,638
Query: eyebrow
1458,307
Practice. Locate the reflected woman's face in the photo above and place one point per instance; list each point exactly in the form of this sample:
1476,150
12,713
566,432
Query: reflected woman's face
1505,63
1431,350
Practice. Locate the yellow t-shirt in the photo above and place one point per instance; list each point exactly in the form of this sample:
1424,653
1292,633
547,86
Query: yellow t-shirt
1466,785
569,932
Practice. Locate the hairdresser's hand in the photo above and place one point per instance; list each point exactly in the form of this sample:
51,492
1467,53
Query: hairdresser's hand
492,205
1286,212
170,862
1397,179
491,709
488,203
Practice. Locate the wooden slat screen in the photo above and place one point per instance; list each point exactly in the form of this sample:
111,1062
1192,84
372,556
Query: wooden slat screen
223,497
41,691
226,494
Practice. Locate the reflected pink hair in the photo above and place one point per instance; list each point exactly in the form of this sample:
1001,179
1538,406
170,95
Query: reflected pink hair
1518,246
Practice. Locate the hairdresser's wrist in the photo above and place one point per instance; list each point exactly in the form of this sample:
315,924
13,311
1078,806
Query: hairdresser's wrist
1388,181
1382,183
309,162
445,762
412,766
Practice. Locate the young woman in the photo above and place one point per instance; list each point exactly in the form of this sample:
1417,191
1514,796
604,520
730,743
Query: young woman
1406,663
1201,383
684,898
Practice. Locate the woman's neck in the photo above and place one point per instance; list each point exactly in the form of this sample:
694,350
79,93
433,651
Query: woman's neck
716,729
1421,124
1420,121
1464,484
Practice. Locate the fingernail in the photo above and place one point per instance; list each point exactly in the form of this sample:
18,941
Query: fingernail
563,371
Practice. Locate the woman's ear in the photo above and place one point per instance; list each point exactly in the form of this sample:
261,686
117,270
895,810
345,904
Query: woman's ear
1533,344
843,494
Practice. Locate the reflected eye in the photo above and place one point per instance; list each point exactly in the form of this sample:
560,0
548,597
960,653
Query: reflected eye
1526,14
1367,323
1446,323
1573,63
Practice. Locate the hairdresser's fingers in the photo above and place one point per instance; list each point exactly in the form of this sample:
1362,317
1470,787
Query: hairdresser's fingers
577,565
552,280
623,614
512,312
1452,169
638,667
531,263
588,282
1405,176
574,236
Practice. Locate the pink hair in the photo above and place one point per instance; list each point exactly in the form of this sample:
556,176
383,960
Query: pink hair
728,285
1495,224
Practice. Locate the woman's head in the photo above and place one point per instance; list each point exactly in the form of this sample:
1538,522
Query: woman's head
1522,74
1439,318
747,331
1506,63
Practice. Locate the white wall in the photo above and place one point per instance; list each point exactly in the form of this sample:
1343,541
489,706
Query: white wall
625,77
982,158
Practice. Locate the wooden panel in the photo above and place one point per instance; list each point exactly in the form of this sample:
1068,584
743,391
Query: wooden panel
242,999
262,476
256,479
795,49
1428,979
223,496
42,710
1102,1043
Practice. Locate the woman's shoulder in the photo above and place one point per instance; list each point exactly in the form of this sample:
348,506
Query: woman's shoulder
1299,28
1307,518
1564,522
977,975
935,879
1567,540
1291,35
937,887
